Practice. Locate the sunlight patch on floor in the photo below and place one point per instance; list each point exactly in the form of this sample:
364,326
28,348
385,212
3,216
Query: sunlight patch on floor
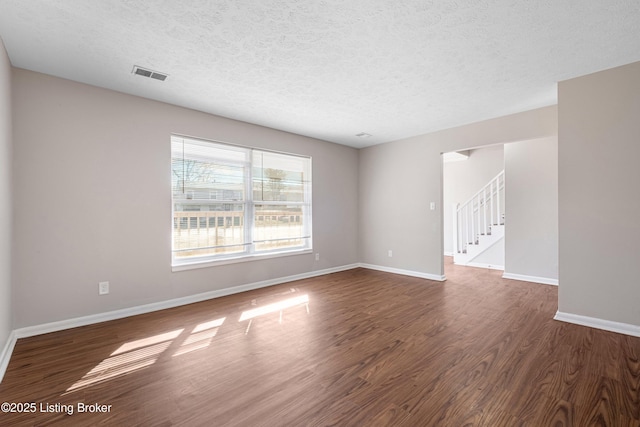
121,364
141,353
275,307
144,342
201,337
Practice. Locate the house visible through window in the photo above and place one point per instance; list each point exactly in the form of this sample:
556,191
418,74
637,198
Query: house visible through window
233,202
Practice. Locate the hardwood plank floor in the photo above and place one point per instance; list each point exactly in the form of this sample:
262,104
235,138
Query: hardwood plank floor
356,348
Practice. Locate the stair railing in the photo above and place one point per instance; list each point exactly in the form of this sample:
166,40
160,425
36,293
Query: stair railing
475,217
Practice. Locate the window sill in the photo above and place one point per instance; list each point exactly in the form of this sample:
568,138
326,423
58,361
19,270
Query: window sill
246,258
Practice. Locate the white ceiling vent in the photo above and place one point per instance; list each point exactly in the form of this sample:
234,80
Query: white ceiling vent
149,73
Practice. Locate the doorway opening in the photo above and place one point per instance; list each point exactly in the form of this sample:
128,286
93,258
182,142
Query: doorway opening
473,207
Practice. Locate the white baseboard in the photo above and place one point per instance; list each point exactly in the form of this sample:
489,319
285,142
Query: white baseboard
448,253
535,279
162,305
404,272
593,322
483,265
5,355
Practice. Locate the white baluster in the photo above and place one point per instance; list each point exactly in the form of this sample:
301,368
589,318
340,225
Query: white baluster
466,226
484,210
491,195
456,231
498,198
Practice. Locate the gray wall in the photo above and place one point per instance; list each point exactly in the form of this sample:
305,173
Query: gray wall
398,180
92,200
463,179
599,193
5,197
531,209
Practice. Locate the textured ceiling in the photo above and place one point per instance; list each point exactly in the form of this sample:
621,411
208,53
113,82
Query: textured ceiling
329,68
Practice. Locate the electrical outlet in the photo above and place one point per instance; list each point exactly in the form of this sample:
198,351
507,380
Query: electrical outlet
103,288
390,253
317,257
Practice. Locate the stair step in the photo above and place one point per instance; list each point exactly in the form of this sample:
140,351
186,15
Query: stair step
475,224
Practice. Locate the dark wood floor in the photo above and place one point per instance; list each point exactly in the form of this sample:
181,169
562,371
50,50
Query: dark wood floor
369,348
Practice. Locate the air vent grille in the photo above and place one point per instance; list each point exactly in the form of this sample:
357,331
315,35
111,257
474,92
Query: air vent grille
144,72
158,76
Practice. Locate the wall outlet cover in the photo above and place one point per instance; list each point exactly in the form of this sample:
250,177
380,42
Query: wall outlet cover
103,288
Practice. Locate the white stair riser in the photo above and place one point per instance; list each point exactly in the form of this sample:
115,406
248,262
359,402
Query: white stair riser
484,243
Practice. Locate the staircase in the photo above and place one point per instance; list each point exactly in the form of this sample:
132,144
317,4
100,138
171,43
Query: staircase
478,223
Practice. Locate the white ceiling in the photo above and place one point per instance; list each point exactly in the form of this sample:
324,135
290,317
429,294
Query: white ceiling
329,69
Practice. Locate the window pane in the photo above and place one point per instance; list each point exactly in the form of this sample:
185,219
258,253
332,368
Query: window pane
204,151
194,180
275,228
199,231
231,201
279,177
203,170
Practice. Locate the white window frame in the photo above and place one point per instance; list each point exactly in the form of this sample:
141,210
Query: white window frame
250,253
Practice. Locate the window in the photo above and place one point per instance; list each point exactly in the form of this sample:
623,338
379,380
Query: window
231,202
